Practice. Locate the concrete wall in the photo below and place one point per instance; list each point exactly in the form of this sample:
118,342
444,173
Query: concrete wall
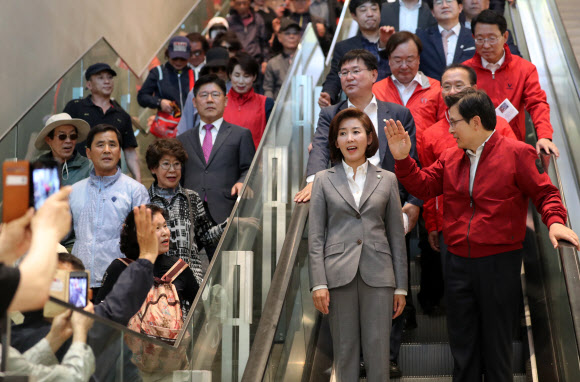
41,39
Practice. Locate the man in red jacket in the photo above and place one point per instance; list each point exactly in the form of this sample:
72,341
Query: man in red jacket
506,77
437,138
487,181
409,87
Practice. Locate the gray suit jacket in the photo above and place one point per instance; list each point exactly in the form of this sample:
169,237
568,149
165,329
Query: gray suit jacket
228,163
320,154
390,15
343,238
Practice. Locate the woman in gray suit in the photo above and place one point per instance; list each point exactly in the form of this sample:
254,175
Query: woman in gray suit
357,262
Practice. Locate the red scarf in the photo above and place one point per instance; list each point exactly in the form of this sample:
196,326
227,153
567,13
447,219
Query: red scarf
247,110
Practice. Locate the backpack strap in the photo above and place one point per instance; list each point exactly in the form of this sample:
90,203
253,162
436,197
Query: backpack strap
191,79
125,260
160,72
174,271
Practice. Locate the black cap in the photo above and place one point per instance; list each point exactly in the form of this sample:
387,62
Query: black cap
216,57
98,68
287,23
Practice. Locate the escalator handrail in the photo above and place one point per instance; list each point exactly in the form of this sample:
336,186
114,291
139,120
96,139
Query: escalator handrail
264,339
565,43
336,33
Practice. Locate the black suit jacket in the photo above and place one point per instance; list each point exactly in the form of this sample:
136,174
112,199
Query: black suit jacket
332,84
228,164
433,60
390,15
320,154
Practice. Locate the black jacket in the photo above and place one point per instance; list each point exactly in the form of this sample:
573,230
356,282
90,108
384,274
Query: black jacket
173,86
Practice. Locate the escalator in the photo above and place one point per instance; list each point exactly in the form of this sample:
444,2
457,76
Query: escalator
293,340
254,320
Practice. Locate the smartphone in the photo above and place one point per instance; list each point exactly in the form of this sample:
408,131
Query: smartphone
45,176
78,289
16,181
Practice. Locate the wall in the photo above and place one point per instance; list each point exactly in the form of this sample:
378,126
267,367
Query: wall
41,39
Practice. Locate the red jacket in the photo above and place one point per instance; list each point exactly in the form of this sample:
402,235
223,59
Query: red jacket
493,220
426,104
247,110
517,80
437,140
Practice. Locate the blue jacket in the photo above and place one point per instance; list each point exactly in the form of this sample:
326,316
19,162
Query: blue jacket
99,206
433,61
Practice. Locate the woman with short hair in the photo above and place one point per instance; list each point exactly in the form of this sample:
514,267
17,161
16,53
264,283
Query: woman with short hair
245,107
187,219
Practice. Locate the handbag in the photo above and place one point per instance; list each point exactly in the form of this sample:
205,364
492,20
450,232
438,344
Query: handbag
165,124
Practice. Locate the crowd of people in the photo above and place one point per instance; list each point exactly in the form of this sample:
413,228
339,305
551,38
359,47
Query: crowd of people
422,123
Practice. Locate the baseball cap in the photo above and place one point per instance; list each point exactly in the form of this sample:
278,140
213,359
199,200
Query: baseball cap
179,47
98,68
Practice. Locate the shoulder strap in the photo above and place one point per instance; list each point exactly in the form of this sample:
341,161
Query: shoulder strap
160,72
191,79
191,219
174,271
125,260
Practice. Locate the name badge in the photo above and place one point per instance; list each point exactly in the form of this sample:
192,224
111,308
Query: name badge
506,110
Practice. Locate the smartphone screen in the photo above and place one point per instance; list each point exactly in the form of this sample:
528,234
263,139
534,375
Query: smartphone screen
45,182
78,289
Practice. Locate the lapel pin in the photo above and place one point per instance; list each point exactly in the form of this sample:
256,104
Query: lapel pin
379,176
461,47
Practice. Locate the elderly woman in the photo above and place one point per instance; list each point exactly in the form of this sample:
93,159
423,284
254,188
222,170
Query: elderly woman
357,250
60,135
189,224
245,107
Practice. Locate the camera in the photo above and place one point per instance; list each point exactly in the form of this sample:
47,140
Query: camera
27,184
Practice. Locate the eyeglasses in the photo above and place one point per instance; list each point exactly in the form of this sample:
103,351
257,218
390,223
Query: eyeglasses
206,95
354,72
63,137
197,53
399,61
454,123
490,40
166,165
440,2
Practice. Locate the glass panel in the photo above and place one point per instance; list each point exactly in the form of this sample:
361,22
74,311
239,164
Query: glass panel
222,325
119,353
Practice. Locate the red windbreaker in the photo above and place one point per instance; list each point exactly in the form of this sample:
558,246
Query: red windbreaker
426,104
437,140
247,110
493,219
517,80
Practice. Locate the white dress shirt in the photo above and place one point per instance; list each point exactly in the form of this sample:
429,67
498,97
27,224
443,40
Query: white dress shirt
484,62
451,42
474,159
408,17
406,91
356,184
214,131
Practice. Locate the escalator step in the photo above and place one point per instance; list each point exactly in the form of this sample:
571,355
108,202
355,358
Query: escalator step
429,329
436,359
517,378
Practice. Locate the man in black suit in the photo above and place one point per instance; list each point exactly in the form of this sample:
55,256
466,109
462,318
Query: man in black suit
219,153
447,43
367,13
358,72
407,15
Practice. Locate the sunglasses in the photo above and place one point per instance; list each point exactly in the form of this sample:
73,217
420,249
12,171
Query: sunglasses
63,137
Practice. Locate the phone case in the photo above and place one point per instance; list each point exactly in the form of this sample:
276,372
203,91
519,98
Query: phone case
16,181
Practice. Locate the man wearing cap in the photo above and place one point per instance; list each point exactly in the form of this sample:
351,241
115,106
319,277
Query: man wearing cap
216,62
216,26
289,36
250,28
60,135
99,107
169,83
